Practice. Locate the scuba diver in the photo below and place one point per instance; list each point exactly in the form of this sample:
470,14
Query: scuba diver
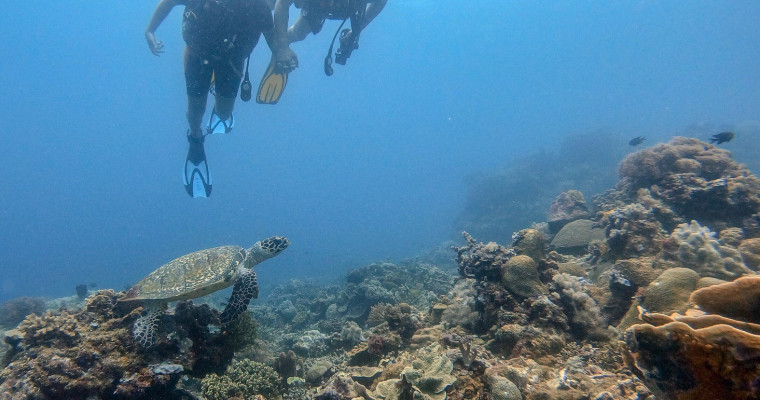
219,36
313,16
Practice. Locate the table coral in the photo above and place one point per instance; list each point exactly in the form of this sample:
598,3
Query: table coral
677,361
702,356
739,299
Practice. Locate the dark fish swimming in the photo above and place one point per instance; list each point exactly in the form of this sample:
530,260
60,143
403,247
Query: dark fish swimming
722,137
637,140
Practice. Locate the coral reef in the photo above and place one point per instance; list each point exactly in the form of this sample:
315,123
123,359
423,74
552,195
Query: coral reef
426,378
576,236
243,379
696,247
582,310
632,231
520,277
697,180
90,353
698,355
750,252
342,386
677,360
739,299
567,207
529,242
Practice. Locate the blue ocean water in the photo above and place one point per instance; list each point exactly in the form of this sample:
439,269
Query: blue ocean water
366,165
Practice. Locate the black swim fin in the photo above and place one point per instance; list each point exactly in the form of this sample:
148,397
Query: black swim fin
272,85
197,177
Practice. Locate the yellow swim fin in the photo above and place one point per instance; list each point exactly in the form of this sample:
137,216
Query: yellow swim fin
272,85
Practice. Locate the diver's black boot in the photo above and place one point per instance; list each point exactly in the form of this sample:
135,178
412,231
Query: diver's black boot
197,176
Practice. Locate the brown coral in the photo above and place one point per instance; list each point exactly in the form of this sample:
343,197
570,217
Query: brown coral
568,206
90,354
697,180
702,356
676,360
739,299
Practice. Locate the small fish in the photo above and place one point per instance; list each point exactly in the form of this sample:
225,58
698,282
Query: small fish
722,137
637,140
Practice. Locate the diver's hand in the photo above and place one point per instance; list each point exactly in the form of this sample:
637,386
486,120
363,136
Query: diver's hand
156,46
286,60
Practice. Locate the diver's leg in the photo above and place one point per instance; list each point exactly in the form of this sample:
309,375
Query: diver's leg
197,80
196,106
224,106
229,73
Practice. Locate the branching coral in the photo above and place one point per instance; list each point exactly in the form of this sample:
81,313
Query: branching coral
481,261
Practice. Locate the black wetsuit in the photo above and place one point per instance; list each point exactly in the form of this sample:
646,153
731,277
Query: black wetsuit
219,36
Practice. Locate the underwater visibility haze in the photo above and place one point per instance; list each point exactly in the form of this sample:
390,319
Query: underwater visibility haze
491,200
367,165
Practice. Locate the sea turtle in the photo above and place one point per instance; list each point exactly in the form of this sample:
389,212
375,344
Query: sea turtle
198,274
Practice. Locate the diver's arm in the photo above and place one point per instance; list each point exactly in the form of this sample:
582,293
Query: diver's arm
285,58
162,10
373,9
281,15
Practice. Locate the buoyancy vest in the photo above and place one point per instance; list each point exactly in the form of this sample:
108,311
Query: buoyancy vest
225,27
334,9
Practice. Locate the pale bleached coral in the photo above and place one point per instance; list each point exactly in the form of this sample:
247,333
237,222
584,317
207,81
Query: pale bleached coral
580,307
696,247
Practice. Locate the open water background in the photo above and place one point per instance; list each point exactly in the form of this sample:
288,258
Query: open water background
369,164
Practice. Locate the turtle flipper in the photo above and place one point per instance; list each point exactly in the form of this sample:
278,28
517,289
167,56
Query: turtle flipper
246,288
144,329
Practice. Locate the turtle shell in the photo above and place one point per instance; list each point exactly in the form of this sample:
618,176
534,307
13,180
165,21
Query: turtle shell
190,276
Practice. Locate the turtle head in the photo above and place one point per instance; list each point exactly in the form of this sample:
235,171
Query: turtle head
275,244
265,249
